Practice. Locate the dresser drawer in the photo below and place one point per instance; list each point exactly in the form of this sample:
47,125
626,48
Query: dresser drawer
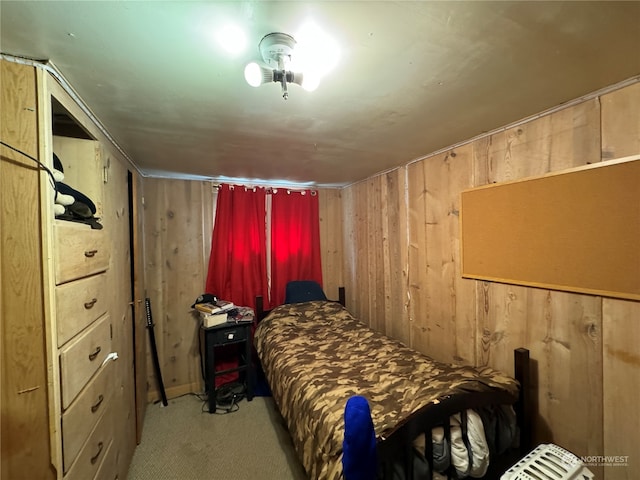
94,450
82,356
108,470
84,413
79,251
228,334
78,304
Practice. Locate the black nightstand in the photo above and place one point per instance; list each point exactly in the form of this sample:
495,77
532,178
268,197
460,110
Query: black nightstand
228,334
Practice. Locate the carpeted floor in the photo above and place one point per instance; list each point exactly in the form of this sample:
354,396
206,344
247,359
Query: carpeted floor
182,441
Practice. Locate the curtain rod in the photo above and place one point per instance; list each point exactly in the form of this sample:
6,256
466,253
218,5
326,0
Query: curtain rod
268,189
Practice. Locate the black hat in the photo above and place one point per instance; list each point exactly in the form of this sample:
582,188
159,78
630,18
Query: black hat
81,213
67,190
205,298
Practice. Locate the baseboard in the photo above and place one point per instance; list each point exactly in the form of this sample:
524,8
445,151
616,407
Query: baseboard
153,396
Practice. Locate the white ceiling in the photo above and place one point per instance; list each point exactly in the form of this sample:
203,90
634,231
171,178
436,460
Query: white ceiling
413,77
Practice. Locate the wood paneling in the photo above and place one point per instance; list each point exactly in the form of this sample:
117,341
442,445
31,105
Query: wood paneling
374,232
621,123
138,309
443,312
396,256
621,319
512,316
116,222
24,392
330,212
178,219
417,255
349,245
458,319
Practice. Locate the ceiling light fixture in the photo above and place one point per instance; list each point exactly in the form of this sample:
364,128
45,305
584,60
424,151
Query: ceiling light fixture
276,50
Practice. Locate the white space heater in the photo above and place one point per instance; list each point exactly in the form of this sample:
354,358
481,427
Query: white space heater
548,462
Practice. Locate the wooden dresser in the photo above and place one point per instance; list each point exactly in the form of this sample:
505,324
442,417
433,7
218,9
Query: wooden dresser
83,333
77,299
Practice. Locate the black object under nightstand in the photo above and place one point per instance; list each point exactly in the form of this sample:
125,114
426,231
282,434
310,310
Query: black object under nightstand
222,335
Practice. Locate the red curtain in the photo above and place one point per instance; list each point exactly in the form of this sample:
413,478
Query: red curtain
237,266
238,261
295,240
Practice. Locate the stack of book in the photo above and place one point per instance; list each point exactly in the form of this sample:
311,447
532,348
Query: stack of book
231,314
219,306
214,313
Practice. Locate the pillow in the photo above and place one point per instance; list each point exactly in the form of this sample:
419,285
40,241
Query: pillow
299,291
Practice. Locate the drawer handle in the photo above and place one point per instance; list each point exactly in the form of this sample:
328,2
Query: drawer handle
95,407
90,253
89,305
94,459
92,356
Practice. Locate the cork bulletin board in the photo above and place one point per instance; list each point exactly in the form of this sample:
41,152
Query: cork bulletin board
576,230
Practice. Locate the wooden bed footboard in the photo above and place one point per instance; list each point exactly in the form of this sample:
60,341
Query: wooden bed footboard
399,444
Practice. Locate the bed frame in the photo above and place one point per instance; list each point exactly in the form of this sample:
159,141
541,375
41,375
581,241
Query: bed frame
394,446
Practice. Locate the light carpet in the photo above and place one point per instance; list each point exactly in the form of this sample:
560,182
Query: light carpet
182,441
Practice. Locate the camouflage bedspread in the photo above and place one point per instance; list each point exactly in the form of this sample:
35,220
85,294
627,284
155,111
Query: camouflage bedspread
316,355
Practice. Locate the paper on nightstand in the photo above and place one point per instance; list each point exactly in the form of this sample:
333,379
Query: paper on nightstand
212,319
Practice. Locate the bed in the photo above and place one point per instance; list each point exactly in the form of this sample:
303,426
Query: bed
316,355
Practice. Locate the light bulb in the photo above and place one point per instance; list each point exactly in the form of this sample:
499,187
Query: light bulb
253,74
256,75
310,81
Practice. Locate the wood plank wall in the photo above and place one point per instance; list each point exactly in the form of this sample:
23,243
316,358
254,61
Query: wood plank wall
116,221
24,394
585,348
621,319
330,212
376,253
178,221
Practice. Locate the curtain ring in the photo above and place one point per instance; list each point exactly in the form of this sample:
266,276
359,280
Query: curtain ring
313,193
